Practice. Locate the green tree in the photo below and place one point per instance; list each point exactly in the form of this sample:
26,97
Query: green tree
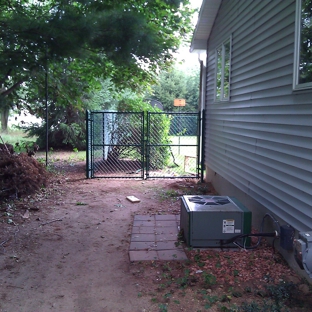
104,98
192,89
125,40
81,41
69,97
174,84
124,133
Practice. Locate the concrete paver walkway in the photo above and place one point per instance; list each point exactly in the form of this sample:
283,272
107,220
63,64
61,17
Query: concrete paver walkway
155,237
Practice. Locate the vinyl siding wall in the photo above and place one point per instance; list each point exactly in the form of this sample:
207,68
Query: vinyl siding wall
261,140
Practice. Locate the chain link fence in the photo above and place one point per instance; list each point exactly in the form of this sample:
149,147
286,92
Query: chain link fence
177,153
142,145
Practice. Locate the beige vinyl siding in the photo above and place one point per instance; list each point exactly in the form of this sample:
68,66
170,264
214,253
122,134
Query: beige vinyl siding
261,140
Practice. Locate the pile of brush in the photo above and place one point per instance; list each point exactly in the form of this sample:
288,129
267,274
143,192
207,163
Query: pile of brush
20,175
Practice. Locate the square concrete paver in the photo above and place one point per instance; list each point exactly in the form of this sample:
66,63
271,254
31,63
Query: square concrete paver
146,223
154,238
141,255
143,238
143,230
166,217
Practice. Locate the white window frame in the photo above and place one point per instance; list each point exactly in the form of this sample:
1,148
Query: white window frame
223,97
296,84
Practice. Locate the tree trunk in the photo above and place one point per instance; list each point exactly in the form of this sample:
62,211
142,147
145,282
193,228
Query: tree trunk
4,119
4,112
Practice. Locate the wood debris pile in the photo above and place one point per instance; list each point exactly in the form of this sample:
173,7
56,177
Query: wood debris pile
20,175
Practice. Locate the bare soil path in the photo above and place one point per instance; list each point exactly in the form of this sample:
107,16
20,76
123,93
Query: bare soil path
72,254
66,249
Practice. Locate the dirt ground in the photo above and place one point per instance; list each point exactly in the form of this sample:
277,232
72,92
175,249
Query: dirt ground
66,249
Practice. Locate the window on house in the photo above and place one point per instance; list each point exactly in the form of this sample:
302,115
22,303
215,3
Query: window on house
223,58
303,45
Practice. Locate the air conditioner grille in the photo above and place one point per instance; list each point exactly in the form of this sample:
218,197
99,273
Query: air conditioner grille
209,200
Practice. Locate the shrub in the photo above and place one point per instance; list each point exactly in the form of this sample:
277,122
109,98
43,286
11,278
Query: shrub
158,128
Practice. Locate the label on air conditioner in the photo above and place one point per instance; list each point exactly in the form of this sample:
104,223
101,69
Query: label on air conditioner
228,226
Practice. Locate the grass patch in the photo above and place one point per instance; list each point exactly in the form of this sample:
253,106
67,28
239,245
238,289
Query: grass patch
67,156
167,194
18,139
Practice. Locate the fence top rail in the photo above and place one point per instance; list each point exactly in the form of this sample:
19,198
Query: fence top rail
113,112
174,113
142,112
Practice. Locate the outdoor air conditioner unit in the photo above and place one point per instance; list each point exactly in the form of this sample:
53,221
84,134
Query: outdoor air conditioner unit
209,221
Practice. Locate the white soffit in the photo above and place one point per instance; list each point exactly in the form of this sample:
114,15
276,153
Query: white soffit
206,18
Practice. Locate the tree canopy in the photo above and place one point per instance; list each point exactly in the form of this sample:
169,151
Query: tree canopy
126,40
174,84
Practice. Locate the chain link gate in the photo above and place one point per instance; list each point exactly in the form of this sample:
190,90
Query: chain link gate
115,144
128,145
177,154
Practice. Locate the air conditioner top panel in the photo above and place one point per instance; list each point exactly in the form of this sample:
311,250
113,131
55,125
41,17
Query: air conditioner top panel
210,203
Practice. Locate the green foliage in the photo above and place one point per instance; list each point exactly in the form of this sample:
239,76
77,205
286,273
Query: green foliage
73,135
18,140
67,116
63,133
104,97
166,194
183,281
173,84
209,279
158,127
281,292
223,71
264,306
66,106
163,307
210,300
78,44
107,38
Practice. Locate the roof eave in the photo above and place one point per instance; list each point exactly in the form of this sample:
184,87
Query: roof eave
206,18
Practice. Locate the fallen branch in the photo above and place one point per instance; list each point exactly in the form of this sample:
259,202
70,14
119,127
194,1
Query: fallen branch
4,145
13,286
48,222
1,244
4,242
15,234
9,239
